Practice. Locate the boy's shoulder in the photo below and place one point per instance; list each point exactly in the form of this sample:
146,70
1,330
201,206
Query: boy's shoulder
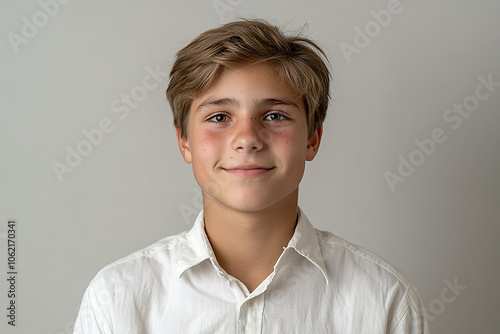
167,258
346,257
144,263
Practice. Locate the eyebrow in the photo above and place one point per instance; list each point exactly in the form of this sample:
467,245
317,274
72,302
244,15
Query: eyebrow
226,102
231,102
274,102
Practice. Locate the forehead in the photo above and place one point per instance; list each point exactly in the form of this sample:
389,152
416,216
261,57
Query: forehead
257,83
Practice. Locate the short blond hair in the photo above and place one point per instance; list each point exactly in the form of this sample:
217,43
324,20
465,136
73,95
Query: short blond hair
298,61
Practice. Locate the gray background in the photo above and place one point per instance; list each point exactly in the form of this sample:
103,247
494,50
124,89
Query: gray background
441,224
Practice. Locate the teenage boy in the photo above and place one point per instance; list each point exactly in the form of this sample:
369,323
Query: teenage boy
248,105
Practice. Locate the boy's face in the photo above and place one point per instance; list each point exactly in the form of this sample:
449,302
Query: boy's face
247,140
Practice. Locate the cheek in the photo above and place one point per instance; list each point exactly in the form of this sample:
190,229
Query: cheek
291,144
206,146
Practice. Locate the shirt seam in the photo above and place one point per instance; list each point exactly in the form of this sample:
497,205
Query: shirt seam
409,297
393,330
99,309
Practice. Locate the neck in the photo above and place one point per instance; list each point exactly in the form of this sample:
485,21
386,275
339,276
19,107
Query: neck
248,244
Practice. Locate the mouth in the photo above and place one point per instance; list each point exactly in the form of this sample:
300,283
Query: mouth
248,170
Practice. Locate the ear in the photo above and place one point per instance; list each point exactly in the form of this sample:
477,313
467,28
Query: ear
313,143
184,146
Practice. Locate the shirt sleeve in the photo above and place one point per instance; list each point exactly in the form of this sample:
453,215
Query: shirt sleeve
91,319
413,319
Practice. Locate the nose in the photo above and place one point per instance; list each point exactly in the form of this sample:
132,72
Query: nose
248,136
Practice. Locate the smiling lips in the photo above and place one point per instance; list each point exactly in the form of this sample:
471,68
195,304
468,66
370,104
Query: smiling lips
248,170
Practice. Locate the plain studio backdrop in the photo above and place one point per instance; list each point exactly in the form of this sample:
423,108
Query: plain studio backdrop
408,166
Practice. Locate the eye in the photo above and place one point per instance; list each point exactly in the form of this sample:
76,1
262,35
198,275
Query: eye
276,116
219,118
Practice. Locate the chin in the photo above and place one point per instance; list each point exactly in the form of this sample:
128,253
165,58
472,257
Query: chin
252,199
249,205
256,202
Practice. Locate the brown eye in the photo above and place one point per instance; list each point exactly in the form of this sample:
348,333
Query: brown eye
220,118
277,117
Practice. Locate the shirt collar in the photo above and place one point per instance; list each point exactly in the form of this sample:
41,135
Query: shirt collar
305,242
196,248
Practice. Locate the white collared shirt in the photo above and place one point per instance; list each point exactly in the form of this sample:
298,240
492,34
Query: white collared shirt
320,284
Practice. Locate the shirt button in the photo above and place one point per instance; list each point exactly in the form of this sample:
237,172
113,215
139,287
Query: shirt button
251,302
